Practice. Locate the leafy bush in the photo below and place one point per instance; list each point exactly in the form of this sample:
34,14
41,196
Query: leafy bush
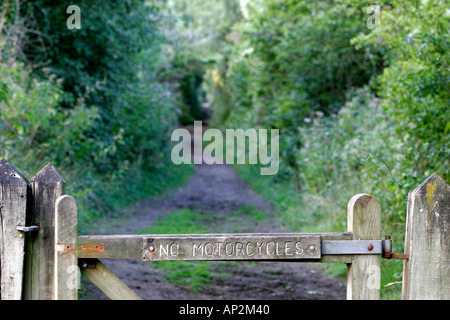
415,86
360,110
294,58
33,128
93,101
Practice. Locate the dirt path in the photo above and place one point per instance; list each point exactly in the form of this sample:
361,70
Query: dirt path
218,191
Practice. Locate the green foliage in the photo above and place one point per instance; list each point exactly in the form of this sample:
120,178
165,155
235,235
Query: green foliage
415,86
33,128
296,66
93,101
200,28
360,110
110,65
191,71
90,59
295,57
197,31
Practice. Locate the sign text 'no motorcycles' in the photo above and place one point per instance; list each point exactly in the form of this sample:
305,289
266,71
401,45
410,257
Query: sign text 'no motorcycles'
245,247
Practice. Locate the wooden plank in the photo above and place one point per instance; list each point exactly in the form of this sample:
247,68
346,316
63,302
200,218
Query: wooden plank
47,186
14,190
67,275
110,247
364,273
130,247
106,281
426,275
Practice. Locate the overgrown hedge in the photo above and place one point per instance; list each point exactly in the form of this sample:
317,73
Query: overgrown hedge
95,101
360,110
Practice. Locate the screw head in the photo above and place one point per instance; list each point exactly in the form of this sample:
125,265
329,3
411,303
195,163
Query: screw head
370,247
312,248
151,248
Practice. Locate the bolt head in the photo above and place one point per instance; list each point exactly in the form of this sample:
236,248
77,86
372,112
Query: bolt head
312,248
151,248
370,247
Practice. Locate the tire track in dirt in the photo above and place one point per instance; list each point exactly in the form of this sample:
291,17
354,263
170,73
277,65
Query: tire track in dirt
217,190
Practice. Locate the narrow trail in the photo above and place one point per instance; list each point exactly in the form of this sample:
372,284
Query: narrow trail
218,191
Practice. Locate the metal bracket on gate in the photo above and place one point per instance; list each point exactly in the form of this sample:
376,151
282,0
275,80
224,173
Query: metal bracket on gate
387,251
352,247
362,247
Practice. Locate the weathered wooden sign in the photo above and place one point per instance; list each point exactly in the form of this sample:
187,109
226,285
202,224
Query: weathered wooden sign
222,248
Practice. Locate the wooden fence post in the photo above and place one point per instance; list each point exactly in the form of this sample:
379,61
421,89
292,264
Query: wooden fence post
47,186
364,273
67,272
426,275
14,189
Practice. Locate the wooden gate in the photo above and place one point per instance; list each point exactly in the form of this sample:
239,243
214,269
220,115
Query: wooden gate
42,254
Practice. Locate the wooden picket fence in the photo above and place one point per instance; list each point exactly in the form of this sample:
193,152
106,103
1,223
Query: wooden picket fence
41,253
